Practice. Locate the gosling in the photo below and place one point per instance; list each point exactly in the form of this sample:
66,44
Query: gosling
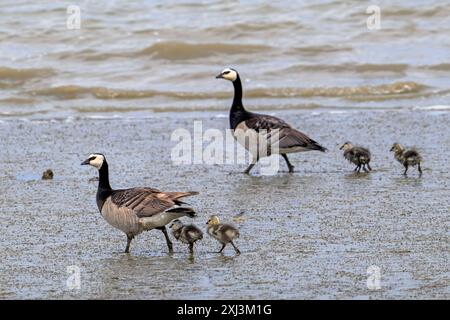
357,155
224,233
188,234
407,157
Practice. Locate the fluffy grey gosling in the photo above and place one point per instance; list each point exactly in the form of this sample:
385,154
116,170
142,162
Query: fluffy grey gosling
357,155
224,233
407,157
188,234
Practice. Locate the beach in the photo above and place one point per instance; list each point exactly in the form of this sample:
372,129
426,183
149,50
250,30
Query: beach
312,234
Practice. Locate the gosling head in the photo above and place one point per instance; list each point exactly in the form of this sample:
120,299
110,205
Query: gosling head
346,146
213,220
228,74
176,225
95,160
397,147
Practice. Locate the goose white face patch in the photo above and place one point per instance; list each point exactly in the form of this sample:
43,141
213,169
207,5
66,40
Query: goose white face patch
229,74
97,161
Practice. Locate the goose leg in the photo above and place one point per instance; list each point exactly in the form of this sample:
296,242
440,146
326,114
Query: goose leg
235,248
356,168
247,171
420,169
290,166
359,168
368,166
223,247
191,248
364,168
406,169
169,243
129,238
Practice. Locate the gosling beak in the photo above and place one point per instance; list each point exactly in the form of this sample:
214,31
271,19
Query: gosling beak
219,76
85,162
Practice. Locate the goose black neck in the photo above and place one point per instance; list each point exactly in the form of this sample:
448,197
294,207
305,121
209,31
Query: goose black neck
237,111
237,100
103,181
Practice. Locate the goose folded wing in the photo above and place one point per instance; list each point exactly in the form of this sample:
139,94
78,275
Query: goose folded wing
265,122
144,202
291,138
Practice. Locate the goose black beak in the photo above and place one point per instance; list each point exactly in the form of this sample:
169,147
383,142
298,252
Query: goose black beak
85,162
341,147
219,76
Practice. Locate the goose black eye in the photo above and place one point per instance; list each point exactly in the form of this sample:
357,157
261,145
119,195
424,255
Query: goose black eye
226,72
91,158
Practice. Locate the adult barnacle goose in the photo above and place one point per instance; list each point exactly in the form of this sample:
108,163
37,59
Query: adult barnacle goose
407,157
222,232
357,155
242,121
137,209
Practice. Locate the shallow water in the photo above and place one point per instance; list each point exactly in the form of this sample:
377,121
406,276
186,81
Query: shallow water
312,234
150,56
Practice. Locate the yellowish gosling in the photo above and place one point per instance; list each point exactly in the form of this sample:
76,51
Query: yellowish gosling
357,155
407,158
188,234
222,232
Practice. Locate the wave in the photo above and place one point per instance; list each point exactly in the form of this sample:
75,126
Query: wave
347,67
24,74
174,50
395,90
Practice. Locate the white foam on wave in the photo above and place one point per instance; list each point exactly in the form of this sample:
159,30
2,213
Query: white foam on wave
436,107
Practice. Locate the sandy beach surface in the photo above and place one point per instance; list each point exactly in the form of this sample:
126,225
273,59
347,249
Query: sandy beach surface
311,234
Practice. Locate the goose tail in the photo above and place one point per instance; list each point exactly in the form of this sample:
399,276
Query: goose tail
183,211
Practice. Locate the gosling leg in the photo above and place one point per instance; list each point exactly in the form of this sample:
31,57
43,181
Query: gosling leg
406,169
169,243
235,248
223,247
290,166
129,238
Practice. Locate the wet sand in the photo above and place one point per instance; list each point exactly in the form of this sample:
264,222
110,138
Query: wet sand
311,234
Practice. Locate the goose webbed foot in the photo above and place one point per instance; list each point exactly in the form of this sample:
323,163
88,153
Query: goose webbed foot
290,166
